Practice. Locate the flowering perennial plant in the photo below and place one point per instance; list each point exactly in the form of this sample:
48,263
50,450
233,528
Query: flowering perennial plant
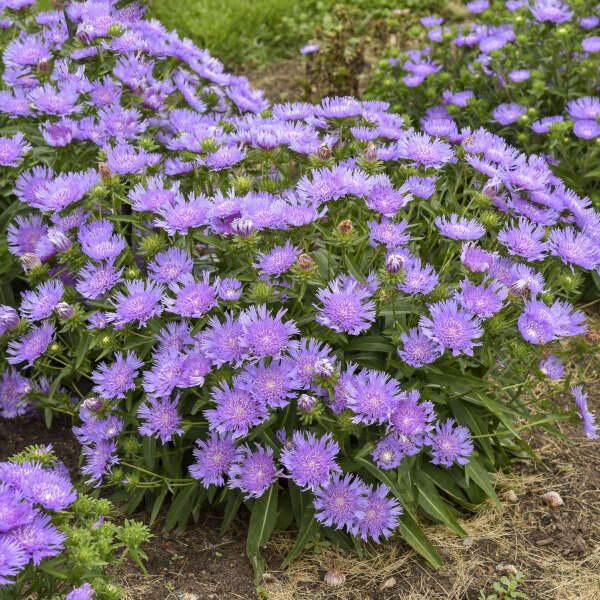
312,309
54,542
526,70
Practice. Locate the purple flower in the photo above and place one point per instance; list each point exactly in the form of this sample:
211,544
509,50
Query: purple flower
519,75
412,421
483,300
253,472
459,228
309,48
12,150
346,307
477,6
425,150
340,501
64,189
59,134
38,538
508,113
83,592
554,11
182,215
99,242
192,298
584,108
418,349
384,199
13,391
124,159
100,459
166,373
339,107
174,336
13,559
50,489
169,266
552,367
431,21
96,280
452,327
116,379
574,248
310,461
379,516
305,358
59,101
223,342
31,346
588,418
159,419
154,195
236,411
540,324
589,22
543,125
141,303
230,289
372,395
13,510
213,459
388,453
524,239
39,305
277,261
476,259
95,430
264,334
450,443
423,187
418,278
272,384
9,318
586,129
389,233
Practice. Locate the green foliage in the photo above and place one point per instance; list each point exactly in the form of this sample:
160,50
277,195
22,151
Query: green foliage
506,589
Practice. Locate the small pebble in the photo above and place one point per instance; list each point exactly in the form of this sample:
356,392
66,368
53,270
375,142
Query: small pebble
552,499
388,583
468,541
188,596
269,578
334,577
507,569
511,496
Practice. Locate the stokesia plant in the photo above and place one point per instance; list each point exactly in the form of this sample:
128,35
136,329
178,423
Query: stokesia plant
312,310
525,70
55,543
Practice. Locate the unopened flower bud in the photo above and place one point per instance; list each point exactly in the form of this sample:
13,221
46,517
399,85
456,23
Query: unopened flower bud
345,227
370,152
93,404
324,152
59,240
394,263
105,172
243,226
9,318
64,311
30,261
324,367
334,577
305,262
43,65
84,33
306,403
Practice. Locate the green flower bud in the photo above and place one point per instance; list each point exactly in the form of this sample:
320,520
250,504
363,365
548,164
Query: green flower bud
151,244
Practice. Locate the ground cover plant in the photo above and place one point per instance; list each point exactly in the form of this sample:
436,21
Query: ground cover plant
313,310
526,71
54,541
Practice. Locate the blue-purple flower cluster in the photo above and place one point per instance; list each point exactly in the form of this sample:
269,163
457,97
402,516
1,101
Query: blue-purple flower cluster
286,289
30,493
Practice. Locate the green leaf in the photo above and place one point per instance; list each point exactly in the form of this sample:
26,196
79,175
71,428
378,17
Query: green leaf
181,507
309,529
433,504
353,268
298,501
158,502
262,523
234,501
481,477
149,449
415,537
445,481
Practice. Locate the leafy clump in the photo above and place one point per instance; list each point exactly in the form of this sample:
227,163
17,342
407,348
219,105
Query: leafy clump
313,310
